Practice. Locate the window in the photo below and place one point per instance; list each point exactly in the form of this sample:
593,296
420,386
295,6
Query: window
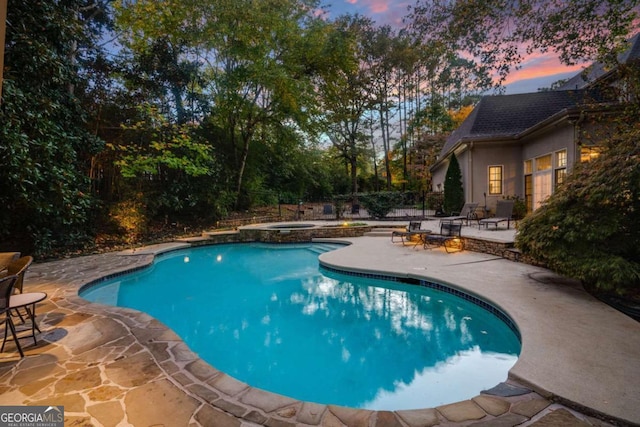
561,159
560,172
495,179
543,163
528,184
528,192
589,153
559,176
542,180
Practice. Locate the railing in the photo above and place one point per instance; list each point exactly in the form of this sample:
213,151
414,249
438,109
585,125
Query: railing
414,206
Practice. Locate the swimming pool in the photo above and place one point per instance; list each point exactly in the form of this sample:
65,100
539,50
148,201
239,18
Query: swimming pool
269,316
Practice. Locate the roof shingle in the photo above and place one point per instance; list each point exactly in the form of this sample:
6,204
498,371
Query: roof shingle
510,115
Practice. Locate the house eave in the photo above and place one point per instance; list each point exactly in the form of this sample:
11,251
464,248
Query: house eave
467,141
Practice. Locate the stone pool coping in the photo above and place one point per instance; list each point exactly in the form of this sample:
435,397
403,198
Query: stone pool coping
110,365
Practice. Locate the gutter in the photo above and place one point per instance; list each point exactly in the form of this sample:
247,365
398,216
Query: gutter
565,114
469,142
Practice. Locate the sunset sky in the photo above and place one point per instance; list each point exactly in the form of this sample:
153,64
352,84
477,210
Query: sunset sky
537,71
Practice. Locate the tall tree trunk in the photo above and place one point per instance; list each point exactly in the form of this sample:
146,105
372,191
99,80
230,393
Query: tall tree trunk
243,163
375,156
354,175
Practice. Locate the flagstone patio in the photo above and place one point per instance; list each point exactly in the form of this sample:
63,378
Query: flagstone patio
111,366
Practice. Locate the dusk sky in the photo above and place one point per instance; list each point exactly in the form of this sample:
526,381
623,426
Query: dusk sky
537,71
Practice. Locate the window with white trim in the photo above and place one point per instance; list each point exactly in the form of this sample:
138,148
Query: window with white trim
560,172
495,180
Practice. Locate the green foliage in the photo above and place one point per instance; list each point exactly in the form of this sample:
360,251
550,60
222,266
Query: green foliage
379,204
589,228
130,217
453,190
498,34
156,144
519,207
434,201
45,193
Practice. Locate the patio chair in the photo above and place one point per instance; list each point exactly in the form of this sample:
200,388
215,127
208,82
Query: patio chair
504,212
413,230
468,212
18,268
6,290
7,258
450,237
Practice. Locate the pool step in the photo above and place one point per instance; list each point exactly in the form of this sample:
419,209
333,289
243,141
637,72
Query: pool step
322,248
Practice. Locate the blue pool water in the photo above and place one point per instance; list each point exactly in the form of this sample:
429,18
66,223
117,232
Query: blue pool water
270,316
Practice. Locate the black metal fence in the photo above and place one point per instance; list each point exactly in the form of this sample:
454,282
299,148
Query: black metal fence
414,205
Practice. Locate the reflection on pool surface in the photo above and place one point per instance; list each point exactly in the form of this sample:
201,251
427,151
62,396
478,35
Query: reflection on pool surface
267,315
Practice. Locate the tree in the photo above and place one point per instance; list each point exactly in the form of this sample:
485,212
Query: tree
496,35
44,139
379,60
260,58
588,228
345,92
453,191
423,154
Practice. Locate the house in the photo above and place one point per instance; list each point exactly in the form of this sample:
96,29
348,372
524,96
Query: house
525,144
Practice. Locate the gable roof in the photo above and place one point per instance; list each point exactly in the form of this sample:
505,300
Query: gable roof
598,70
508,116
504,116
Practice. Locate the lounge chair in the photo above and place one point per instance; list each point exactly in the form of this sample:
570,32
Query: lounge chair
449,237
468,212
6,290
413,230
504,212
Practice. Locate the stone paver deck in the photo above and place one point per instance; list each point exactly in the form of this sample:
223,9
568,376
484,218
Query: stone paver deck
111,366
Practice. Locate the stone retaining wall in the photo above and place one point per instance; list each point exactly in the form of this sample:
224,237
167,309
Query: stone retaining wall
301,234
245,235
487,246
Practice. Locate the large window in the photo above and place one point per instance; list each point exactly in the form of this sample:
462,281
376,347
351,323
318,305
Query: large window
528,184
589,153
495,180
528,192
542,186
560,172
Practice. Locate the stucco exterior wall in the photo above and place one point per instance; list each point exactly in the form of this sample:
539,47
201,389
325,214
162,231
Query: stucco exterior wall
560,137
438,175
483,155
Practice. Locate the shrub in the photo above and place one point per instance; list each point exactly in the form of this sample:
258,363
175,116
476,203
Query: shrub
380,204
130,217
519,207
588,229
453,191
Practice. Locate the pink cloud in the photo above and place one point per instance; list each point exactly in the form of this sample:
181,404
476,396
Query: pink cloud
539,65
383,12
377,6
